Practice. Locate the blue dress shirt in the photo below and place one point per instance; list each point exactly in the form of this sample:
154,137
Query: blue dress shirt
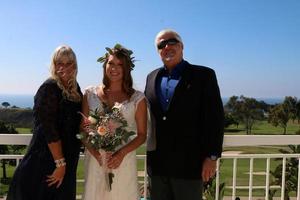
167,82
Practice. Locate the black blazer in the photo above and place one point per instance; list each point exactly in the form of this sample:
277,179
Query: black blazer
192,127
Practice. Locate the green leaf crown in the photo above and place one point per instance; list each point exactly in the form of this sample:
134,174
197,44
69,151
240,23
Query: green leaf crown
120,49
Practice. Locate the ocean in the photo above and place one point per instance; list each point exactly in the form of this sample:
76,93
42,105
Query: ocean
26,101
19,100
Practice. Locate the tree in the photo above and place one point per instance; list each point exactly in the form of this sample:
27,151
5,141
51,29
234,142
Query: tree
229,119
6,149
298,111
291,105
264,106
245,110
231,111
279,116
5,104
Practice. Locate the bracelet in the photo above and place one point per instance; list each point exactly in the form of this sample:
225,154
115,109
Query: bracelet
60,162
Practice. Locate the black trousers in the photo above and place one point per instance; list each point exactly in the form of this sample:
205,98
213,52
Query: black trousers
167,188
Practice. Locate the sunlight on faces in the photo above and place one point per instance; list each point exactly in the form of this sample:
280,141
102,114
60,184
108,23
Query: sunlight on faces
64,67
171,52
114,68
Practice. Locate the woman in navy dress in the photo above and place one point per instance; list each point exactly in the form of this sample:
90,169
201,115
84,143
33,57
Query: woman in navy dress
48,170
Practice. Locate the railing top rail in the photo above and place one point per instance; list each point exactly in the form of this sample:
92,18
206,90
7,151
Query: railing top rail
230,156
258,140
229,140
224,156
15,139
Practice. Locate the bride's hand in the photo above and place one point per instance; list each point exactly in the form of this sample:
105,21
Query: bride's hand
96,155
116,159
85,123
99,157
107,156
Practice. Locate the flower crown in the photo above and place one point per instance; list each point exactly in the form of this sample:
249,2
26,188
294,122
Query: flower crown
120,49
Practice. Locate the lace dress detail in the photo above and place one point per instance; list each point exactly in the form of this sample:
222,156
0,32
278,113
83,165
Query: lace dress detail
125,183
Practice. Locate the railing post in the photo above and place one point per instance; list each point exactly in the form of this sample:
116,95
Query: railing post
298,191
217,180
145,179
283,178
267,178
251,178
234,179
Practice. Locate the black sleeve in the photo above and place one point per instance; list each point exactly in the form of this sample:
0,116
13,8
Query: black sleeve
214,116
46,108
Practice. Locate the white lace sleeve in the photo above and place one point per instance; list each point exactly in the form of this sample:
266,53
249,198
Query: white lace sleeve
92,98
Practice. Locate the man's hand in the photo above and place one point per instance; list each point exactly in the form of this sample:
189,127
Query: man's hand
209,169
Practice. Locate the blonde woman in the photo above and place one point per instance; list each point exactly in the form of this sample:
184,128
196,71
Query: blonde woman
48,170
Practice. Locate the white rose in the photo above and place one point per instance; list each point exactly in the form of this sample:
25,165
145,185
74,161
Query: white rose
92,120
117,105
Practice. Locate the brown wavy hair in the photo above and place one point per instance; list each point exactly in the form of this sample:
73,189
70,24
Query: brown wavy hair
125,56
70,92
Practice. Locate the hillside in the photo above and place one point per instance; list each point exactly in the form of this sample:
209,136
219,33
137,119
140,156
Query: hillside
19,117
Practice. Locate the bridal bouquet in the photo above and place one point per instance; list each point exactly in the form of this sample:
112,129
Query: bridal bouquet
106,132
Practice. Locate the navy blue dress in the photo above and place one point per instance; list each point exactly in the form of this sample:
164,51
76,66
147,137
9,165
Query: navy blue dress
55,118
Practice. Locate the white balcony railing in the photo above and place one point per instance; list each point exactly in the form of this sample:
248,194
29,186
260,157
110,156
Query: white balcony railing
229,141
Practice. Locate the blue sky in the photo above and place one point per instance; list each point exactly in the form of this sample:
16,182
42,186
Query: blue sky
253,45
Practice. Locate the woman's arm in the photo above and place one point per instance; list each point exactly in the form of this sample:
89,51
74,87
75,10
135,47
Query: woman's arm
58,174
83,127
141,123
47,111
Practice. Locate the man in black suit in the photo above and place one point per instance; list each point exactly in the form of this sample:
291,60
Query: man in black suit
188,117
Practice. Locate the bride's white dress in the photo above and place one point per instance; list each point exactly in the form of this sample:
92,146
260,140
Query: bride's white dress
125,183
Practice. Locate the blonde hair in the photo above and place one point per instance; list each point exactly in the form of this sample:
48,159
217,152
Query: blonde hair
70,91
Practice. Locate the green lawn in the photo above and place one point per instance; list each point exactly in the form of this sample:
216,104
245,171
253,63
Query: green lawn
263,128
24,130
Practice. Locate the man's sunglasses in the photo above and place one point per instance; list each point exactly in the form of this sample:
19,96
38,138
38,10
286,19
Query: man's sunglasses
170,41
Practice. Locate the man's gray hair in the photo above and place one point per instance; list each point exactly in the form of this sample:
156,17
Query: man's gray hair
164,31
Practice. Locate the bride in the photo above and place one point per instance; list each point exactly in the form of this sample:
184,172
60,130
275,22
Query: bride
116,88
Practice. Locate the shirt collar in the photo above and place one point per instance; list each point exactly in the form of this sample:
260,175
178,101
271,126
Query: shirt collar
176,71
